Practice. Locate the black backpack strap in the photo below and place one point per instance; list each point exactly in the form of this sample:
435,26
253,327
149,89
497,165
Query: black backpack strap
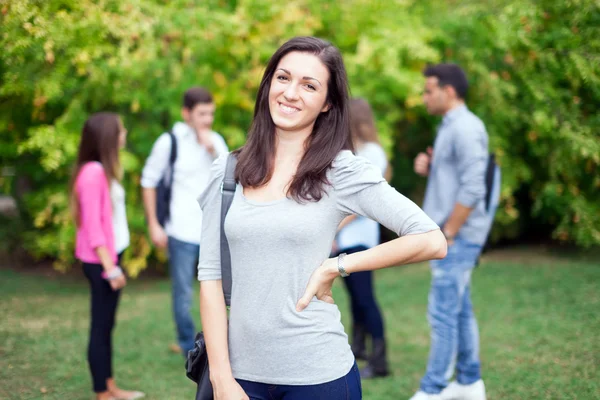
489,180
171,170
164,188
173,155
227,192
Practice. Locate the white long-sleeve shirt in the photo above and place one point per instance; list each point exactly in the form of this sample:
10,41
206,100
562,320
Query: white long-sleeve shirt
190,178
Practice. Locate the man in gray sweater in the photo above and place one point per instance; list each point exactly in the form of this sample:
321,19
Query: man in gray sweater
455,199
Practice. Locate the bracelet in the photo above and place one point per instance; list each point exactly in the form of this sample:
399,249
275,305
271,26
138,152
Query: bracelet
114,273
341,268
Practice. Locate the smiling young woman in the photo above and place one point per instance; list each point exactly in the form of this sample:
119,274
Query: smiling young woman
297,179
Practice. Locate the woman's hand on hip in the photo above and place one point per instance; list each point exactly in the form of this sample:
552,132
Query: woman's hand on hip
229,390
320,284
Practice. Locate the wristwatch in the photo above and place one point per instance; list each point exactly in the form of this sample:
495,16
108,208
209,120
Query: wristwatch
341,268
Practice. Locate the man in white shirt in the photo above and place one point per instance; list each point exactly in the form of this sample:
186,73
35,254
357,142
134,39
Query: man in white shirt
197,147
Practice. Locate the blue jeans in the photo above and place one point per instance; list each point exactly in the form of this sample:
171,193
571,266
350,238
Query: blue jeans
454,332
183,261
345,388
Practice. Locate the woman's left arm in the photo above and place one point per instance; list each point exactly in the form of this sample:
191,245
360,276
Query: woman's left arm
403,250
361,191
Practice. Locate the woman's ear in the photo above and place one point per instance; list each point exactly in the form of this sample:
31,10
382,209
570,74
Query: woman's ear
326,107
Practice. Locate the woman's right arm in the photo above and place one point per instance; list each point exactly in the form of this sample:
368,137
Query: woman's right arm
108,264
214,324
91,188
212,302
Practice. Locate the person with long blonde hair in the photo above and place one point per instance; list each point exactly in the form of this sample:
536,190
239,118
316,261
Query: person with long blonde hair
98,204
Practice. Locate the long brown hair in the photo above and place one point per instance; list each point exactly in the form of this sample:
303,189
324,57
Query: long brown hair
330,133
99,142
362,123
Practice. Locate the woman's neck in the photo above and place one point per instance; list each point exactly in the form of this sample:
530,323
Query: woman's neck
291,145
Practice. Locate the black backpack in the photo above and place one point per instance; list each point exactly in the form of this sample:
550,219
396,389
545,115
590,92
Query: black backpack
163,190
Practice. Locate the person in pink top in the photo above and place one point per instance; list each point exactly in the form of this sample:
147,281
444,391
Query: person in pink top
98,204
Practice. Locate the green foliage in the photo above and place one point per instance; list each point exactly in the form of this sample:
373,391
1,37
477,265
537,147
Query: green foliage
533,67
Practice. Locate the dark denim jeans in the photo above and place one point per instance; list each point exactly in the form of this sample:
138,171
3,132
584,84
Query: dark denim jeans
454,331
183,263
347,387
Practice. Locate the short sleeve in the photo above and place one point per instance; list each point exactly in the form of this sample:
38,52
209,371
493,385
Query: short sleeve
209,267
351,175
360,189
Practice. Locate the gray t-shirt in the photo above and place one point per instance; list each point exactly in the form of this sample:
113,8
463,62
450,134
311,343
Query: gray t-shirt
275,246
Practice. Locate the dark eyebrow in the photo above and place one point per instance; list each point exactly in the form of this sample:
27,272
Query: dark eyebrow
306,78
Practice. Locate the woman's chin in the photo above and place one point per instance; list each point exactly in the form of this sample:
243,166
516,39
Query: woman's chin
284,123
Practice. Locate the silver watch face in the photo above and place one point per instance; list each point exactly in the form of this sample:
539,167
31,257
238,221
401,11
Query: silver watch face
341,268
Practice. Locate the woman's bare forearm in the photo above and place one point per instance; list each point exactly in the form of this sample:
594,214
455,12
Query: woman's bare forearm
214,324
105,258
403,250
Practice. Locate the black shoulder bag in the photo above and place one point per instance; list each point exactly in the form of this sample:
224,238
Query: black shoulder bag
196,364
163,190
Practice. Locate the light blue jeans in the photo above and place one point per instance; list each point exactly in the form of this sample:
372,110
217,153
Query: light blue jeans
183,263
454,331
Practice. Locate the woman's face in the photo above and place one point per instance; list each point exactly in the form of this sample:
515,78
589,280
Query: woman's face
298,91
122,135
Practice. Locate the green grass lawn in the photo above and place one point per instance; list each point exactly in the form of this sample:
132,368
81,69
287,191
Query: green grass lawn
539,318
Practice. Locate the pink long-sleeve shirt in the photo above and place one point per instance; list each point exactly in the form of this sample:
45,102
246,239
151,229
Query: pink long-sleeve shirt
95,211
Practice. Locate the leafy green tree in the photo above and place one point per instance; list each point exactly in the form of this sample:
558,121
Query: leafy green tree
535,74
533,67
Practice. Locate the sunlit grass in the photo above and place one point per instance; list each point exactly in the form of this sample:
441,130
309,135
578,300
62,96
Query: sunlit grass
539,321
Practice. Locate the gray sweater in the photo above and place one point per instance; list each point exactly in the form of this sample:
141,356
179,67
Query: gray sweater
275,246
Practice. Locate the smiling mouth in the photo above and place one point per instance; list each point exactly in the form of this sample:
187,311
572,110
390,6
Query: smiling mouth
287,109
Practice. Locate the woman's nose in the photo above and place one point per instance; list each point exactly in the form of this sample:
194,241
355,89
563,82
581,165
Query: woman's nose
291,93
